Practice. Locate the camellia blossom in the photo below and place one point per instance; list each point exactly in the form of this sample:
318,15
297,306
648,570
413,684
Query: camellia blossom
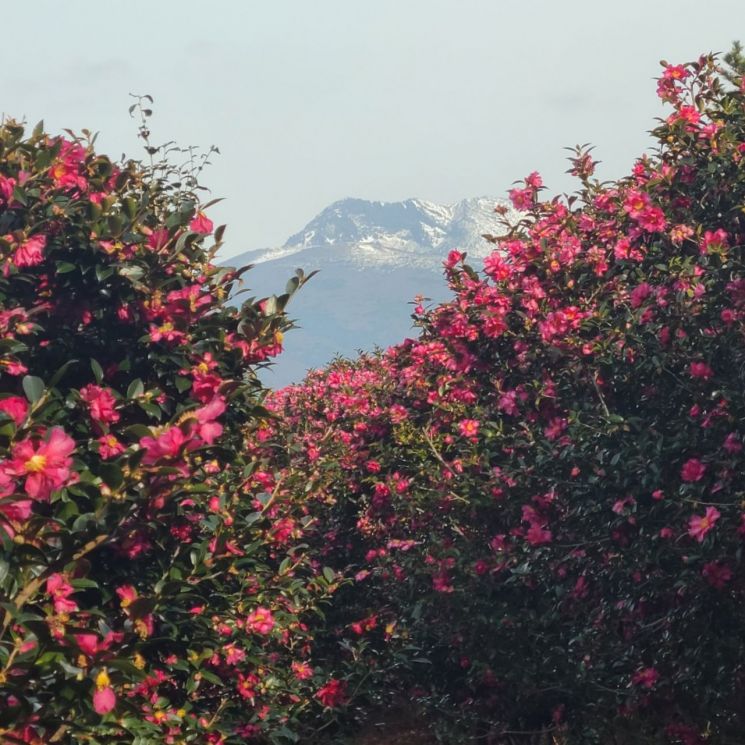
699,526
44,464
15,407
166,446
333,694
301,670
701,370
538,535
101,404
13,513
646,677
260,621
716,574
693,470
201,224
60,590
104,698
469,428
30,252
109,446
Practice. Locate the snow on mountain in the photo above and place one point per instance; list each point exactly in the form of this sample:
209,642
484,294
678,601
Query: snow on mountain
391,234
373,259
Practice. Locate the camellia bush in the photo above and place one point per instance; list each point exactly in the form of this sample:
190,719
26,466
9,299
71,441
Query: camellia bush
153,584
540,501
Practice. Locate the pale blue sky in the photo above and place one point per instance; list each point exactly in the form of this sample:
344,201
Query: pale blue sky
311,101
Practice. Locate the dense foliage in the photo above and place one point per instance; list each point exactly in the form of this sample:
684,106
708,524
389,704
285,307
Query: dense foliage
152,588
540,500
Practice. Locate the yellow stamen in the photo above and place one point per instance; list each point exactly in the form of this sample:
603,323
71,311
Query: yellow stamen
102,679
36,463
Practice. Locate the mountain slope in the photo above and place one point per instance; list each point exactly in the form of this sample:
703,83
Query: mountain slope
373,259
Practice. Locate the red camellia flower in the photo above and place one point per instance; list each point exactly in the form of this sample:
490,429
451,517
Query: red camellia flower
692,470
701,370
716,574
333,694
646,677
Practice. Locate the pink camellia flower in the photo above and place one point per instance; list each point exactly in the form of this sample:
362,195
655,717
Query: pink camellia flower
101,404
713,239
716,574
732,443
522,199
157,239
260,621
89,644
646,677
701,370
109,447
469,428
699,526
639,294
201,224
16,408
652,219
127,595
30,252
635,203
104,698
166,332
537,535
44,464
301,670
166,446
60,590
333,694
12,514
693,470
496,267
442,582
209,430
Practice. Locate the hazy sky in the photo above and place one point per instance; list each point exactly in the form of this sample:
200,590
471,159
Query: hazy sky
311,101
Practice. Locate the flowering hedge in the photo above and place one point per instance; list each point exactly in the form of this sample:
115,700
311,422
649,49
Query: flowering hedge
541,498
153,587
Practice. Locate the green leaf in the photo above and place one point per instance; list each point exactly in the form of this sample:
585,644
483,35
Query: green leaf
136,388
60,373
182,384
111,474
33,388
97,370
103,272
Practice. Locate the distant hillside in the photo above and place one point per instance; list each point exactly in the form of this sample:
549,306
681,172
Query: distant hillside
373,257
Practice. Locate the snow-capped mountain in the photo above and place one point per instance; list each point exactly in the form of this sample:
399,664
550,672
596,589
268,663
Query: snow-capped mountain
373,259
392,234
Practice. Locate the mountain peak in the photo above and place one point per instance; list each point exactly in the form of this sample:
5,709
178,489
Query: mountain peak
412,231
373,257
